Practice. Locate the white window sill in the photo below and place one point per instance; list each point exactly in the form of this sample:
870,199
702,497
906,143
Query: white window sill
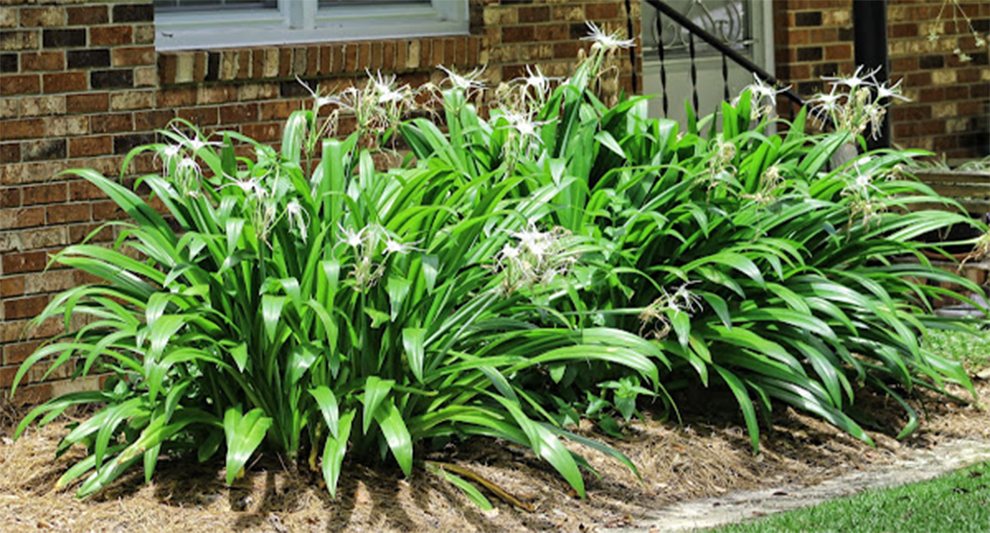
197,31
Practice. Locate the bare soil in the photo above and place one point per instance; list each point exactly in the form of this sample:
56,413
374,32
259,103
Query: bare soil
708,454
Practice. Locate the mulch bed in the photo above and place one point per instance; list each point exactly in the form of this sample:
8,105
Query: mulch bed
705,455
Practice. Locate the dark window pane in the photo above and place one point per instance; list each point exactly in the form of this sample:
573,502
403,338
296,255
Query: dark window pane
332,3
190,5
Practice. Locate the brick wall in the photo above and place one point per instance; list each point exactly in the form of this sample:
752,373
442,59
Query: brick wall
950,100
81,84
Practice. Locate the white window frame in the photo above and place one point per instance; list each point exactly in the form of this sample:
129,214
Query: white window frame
302,21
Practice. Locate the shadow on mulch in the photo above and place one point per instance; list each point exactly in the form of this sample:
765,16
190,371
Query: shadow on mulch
708,454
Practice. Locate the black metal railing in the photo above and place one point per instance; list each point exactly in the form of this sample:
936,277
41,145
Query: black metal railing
727,52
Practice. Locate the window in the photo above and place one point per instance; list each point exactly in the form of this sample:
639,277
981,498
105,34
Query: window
198,24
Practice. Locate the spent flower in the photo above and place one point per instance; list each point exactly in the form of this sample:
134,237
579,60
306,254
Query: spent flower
657,316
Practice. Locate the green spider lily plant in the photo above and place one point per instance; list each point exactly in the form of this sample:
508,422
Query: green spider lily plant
749,258
340,310
554,258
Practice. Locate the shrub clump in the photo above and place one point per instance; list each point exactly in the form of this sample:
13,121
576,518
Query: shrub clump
546,259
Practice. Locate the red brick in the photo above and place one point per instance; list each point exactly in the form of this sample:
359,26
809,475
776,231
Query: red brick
461,45
31,395
956,92
87,103
910,113
107,210
45,194
133,56
63,214
112,123
153,120
22,129
903,64
824,35
88,146
15,354
401,55
19,40
24,217
20,84
969,108
11,286
794,37
65,82
201,116
87,15
110,35
388,56
910,29
29,307
918,79
279,110
838,52
177,97
31,61
92,232
220,94
968,75
238,113
312,61
9,196
537,14
346,59
14,263
364,56
42,16
285,62
84,190
263,132
599,12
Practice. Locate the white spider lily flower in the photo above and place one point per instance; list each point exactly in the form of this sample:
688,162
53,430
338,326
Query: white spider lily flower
932,34
385,88
393,246
188,164
169,153
855,80
510,252
537,80
760,89
194,143
471,80
298,218
963,56
827,105
353,238
606,41
525,125
980,42
885,90
250,186
862,181
318,99
537,259
529,237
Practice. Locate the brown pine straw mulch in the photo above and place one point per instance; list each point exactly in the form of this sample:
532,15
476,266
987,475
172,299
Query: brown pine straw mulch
708,455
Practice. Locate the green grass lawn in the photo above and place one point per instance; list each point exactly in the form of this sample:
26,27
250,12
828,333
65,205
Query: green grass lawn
957,502
972,350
